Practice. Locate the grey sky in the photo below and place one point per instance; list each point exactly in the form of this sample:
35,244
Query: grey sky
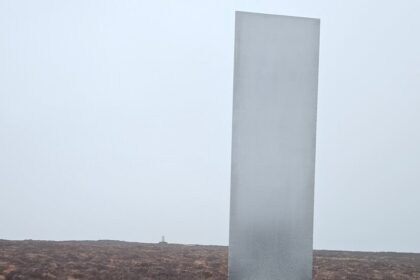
115,120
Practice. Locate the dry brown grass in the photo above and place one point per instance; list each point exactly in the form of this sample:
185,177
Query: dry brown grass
109,260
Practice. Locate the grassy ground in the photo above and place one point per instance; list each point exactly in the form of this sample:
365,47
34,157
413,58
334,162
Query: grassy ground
109,260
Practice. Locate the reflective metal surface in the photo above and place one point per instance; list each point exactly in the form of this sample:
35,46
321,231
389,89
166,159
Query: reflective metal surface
273,148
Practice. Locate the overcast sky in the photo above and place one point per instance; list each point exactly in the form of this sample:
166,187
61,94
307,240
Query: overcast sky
115,120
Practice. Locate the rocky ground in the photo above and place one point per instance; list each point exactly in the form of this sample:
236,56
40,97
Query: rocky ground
109,260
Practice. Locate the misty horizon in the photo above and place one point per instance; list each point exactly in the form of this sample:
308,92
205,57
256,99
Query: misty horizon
116,121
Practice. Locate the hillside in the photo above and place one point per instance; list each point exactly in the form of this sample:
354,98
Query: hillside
72,260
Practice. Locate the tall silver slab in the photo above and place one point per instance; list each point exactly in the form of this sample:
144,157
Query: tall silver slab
273,147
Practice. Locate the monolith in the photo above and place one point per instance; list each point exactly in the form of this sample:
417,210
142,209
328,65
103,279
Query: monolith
273,147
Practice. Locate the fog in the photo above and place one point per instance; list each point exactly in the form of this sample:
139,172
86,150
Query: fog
115,120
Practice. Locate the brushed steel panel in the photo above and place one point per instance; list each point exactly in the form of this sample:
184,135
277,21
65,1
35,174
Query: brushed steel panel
273,147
